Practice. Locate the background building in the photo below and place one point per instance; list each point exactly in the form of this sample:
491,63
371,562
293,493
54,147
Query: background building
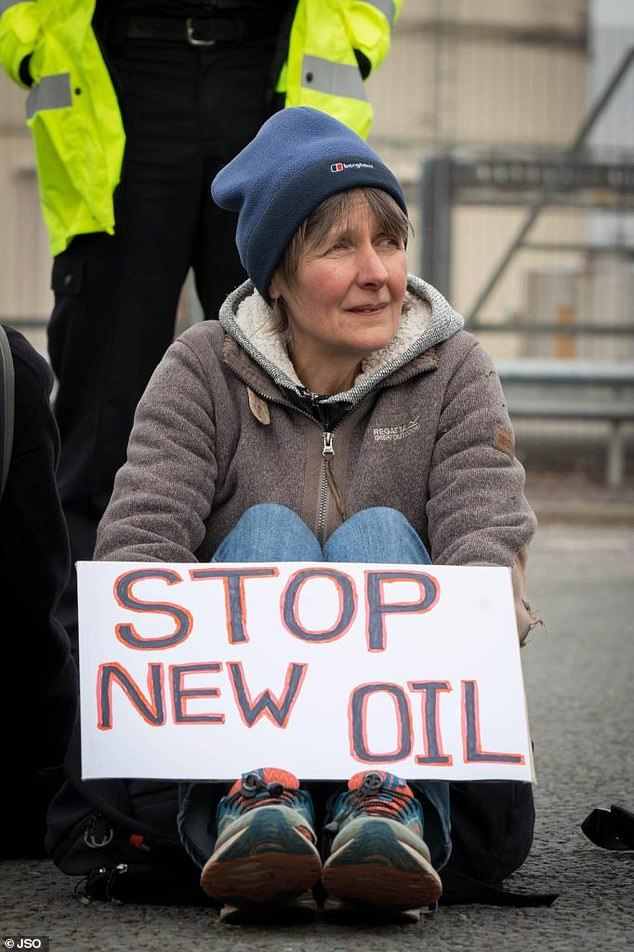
513,83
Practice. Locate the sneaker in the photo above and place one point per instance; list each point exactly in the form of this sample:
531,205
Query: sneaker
378,855
265,851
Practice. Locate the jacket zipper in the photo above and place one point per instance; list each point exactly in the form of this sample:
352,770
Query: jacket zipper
327,453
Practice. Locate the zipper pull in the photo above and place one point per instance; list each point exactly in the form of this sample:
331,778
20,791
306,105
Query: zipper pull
98,833
328,449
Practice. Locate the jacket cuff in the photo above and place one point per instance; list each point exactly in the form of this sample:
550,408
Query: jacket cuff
24,73
19,33
526,617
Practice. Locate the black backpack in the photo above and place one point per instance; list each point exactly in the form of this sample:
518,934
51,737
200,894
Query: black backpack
119,838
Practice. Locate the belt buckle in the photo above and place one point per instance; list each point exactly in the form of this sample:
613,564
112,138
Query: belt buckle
191,36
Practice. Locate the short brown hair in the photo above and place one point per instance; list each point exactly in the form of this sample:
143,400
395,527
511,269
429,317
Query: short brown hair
315,227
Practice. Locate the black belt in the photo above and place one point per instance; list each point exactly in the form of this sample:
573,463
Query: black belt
197,31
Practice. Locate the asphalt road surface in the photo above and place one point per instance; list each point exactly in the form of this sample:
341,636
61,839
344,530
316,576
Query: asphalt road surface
579,678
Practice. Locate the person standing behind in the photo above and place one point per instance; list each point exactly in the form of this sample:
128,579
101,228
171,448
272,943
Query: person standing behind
135,105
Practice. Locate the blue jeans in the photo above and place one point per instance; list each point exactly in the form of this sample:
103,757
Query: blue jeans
273,533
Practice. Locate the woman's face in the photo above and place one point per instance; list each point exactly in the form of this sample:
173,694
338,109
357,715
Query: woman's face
346,299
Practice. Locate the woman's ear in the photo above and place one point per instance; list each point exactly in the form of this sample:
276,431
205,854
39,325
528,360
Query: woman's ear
274,287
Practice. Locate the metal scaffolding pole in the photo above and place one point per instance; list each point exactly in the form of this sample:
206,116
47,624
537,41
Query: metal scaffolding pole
542,200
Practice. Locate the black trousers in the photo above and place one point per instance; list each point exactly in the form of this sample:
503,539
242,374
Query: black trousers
187,111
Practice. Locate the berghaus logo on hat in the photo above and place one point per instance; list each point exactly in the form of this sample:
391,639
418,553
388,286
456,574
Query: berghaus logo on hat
342,166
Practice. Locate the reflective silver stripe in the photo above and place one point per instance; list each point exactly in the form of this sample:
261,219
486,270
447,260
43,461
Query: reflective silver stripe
52,92
5,4
337,79
387,7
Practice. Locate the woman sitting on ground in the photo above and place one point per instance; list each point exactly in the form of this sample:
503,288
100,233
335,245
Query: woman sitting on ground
266,437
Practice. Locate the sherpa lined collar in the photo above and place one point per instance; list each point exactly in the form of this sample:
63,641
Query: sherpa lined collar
427,320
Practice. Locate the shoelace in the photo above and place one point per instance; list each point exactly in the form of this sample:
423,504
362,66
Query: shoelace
254,789
366,800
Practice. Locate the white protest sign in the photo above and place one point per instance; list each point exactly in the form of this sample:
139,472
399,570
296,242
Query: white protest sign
205,671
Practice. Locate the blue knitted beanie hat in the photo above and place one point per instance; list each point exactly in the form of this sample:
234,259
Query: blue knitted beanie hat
299,157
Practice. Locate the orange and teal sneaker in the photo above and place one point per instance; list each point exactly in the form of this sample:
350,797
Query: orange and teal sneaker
378,856
265,850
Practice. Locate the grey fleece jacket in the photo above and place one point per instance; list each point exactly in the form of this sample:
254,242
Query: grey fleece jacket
224,425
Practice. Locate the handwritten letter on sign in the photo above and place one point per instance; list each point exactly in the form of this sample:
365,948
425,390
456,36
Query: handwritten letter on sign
206,671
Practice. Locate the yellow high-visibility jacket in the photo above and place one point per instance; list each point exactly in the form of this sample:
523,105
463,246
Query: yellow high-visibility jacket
328,40
72,111
74,115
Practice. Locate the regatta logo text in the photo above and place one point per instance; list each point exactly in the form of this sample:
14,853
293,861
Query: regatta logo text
395,433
